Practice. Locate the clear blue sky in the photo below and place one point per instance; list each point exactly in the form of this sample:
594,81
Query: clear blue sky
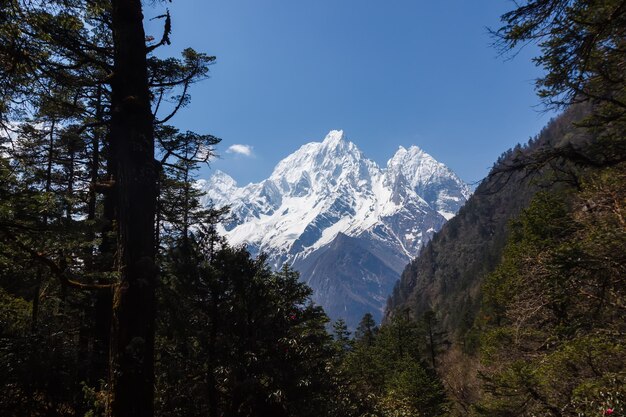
389,73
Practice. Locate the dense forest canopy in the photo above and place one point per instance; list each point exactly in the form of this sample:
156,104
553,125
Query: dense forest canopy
119,298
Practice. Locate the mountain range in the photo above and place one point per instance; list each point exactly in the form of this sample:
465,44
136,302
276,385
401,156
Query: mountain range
346,224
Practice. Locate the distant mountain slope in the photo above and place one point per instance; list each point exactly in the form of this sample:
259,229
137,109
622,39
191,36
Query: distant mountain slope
348,226
448,273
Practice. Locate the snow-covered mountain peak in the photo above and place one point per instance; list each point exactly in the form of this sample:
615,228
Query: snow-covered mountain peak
411,160
220,184
322,165
436,183
222,178
328,189
412,150
219,188
337,145
334,138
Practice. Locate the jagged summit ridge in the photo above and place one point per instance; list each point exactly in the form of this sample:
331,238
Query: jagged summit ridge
325,190
432,180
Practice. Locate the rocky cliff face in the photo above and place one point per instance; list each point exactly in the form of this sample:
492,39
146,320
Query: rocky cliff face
348,225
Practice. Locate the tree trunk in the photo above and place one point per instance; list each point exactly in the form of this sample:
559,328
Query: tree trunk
47,188
132,140
105,263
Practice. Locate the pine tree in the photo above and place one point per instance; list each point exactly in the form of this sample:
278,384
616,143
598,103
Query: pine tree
582,54
366,330
434,335
341,335
87,75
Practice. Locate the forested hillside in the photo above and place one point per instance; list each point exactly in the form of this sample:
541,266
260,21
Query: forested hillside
528,279
448,273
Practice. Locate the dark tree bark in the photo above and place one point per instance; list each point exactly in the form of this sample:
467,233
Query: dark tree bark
47,188
104,263
132,147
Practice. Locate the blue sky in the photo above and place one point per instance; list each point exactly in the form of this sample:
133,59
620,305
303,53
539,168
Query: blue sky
389,73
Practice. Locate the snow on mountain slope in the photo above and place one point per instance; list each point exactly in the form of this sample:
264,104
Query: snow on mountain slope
432,180
328,195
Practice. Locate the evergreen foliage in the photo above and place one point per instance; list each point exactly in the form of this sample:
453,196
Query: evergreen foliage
240,339
119,298
387,374
80,94
528,277
553,315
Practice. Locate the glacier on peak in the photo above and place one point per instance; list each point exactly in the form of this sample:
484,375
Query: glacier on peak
328,194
